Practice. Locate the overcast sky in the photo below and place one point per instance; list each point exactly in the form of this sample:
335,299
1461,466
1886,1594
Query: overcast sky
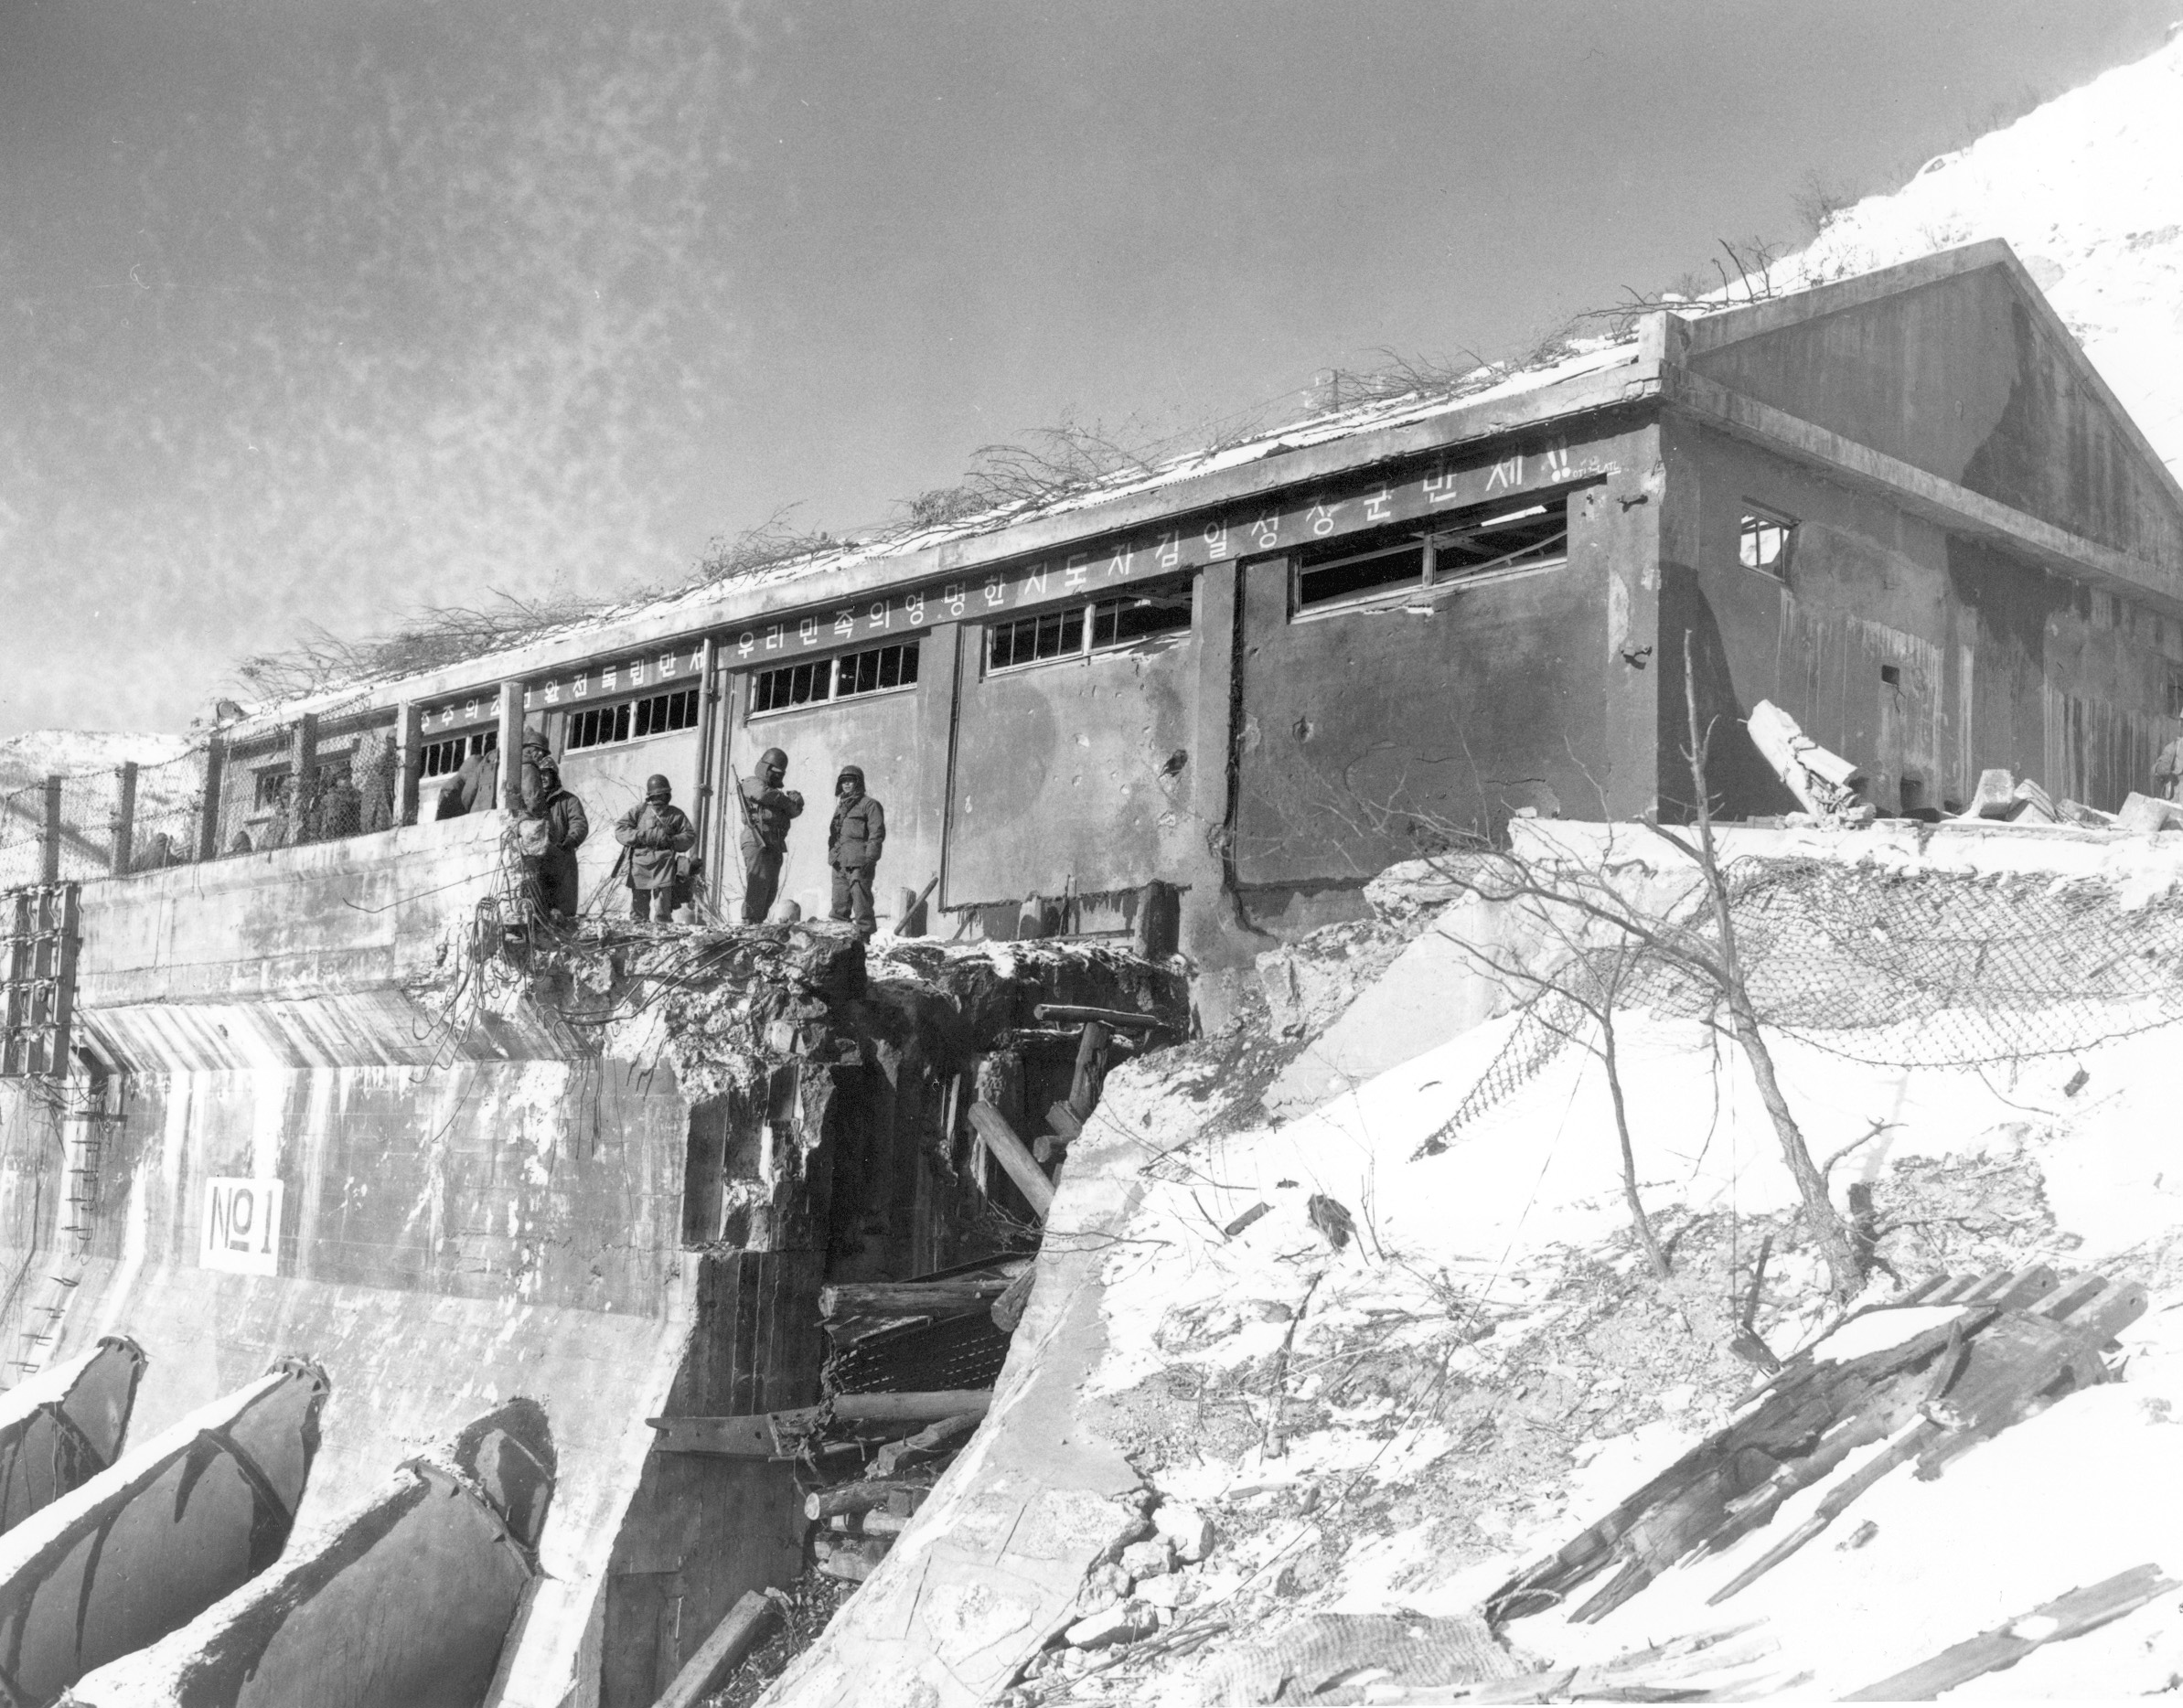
320,310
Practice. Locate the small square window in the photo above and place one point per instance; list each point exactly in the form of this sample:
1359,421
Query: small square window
1763,542
1890,675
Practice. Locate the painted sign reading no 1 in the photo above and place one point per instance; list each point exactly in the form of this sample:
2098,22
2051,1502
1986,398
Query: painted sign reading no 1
242,1226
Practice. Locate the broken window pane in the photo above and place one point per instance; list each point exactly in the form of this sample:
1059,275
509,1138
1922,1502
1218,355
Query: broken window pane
793,685
658,714
1156,611
1054,634
1763,542
1528,537
1329,575
878,668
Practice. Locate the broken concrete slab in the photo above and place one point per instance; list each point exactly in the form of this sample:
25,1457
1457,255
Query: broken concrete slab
1995,796
1824,782
2034,805
2148,814
1125,1622
1443,985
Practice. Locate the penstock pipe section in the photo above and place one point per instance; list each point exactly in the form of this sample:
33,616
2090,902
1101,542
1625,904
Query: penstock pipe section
147,1545
65,1425
406,1603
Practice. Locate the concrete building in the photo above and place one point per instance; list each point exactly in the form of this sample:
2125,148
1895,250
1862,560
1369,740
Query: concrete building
1901,507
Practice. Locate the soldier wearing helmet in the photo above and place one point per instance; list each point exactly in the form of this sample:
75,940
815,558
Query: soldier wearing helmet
766,809
654,831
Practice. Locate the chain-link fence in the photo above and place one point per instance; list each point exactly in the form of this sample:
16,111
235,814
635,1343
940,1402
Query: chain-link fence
1908,969
351,791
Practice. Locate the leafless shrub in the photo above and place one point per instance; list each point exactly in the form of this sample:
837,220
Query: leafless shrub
1817,200
774,540
430,638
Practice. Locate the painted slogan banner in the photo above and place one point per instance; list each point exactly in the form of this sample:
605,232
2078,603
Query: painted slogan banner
1274,525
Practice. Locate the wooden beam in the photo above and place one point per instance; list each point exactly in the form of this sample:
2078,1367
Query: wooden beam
749,1622
753,1437
124,816
2072,1615
1012,1154
216,766
948,1295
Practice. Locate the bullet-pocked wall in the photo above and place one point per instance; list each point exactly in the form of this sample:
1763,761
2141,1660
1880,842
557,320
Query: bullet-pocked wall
1072,749
1401,687
881,706
1921,655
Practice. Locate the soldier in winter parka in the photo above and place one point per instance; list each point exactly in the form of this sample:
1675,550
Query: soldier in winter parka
853,842
655,833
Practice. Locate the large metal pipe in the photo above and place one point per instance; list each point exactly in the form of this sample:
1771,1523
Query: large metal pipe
146,1545
65,1425
406,1604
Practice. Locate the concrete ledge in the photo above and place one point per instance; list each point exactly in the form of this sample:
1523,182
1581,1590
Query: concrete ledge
329,916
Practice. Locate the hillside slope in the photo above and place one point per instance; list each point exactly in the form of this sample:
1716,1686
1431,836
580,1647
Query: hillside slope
2089,192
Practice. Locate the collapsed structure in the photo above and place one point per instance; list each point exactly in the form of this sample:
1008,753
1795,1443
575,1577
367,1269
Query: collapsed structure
289,1072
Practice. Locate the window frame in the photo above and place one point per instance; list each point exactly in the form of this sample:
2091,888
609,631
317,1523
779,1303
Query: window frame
1087,612
1431,583
1755,519
834,695
573,717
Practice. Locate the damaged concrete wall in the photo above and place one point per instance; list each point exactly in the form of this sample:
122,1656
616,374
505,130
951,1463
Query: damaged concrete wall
1921,656
1364,727
1965,378
1072,775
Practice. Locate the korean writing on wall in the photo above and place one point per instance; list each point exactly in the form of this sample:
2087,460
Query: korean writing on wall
1252,529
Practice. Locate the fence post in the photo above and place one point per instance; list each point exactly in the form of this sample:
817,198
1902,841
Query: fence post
408,757
124,818
510,787
49,835
207,833
302,807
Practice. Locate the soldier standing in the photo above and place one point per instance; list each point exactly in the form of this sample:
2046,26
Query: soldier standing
654,832
766,809
853,842
564,827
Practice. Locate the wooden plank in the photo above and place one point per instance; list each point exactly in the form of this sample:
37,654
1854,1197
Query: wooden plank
2065,1617
936,1441
753,1437
948,1295
846,1499
1092,1050
748,1623
1014,1155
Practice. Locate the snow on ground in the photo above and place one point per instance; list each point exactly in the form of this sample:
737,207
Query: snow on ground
1486,1366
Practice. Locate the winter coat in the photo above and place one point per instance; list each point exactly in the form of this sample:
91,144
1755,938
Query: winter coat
766,812
654,835
566,825
859,832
